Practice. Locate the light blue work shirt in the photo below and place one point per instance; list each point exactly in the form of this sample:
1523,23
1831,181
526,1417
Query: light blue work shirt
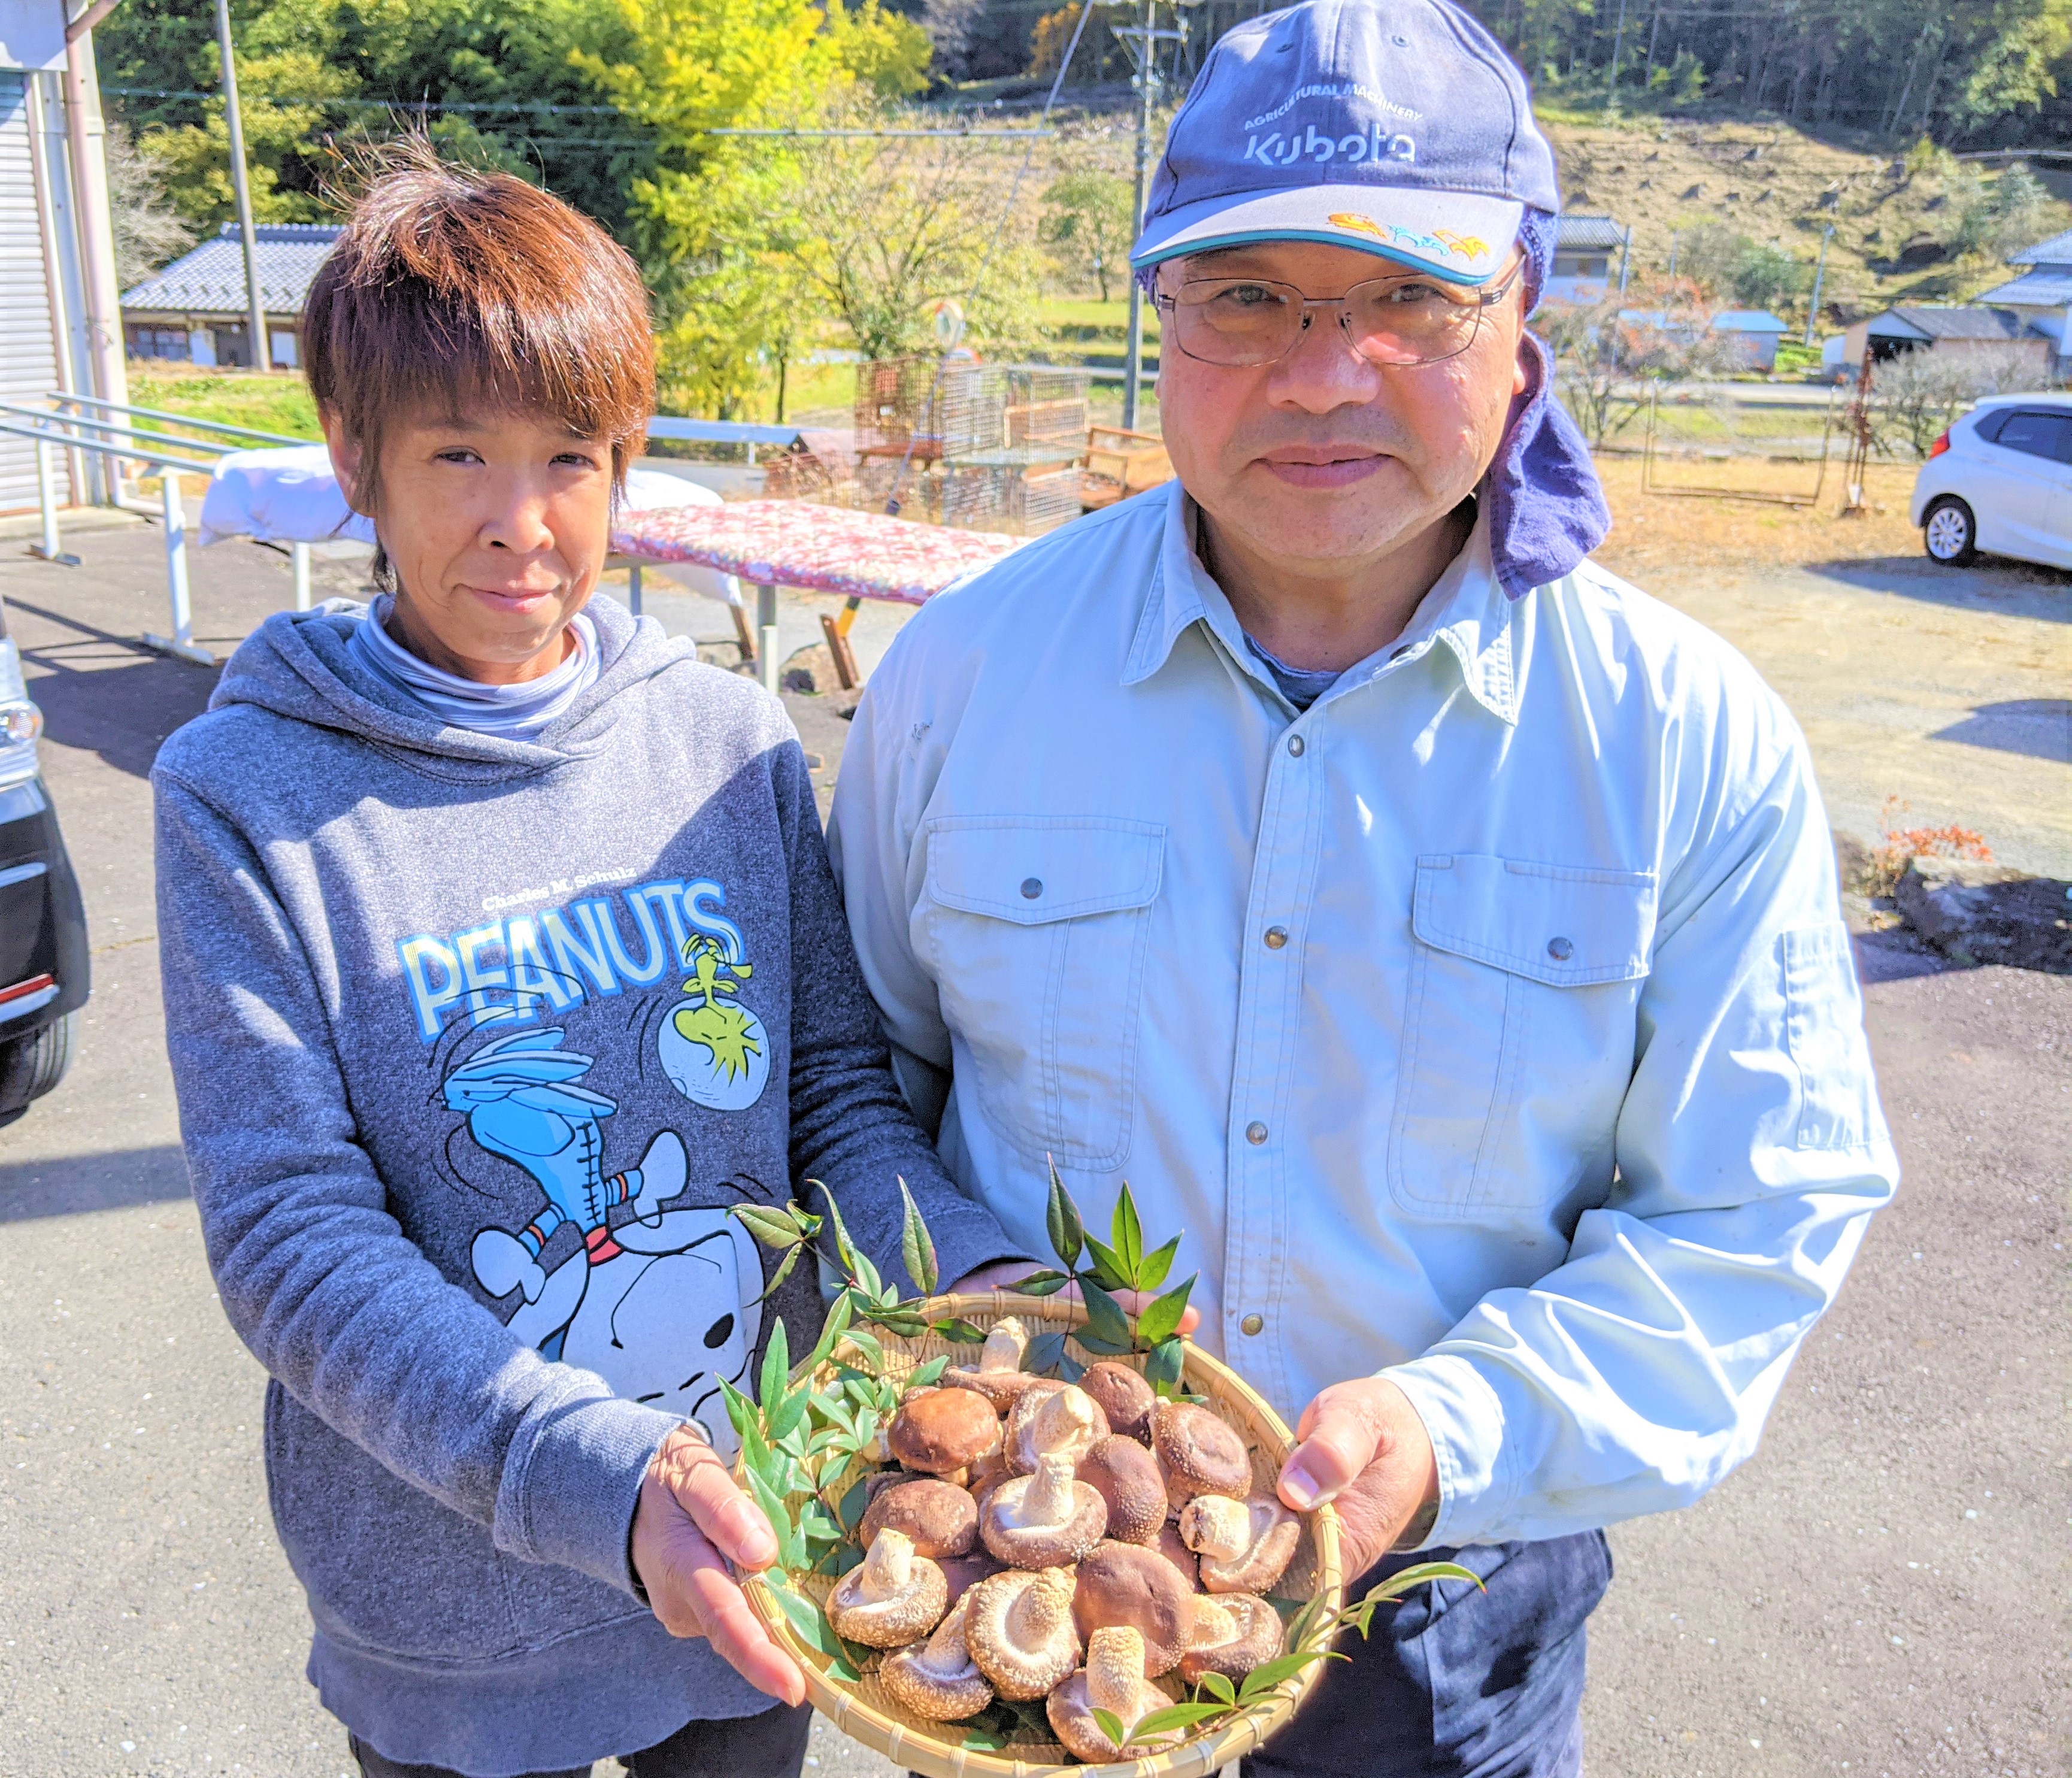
1491,1024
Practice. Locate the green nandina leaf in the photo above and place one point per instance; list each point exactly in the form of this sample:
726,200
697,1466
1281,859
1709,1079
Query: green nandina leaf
790,1551
867,1345
1108,1264
788,1417
1221,1689
902,1322
1162,1320
839,1312
1151,1272
1404,1579
1163,1365
776,1366
1105,1320
867,1280
845,1248
828,1438
1067,1236
850,1512
773,1228
818,1524
1126,1234
1111,1726
930,1372
806,1617
1174,1716
1269,1674
958,1331
783,1271
1043,1353
739,1410
916,1250
1042,1283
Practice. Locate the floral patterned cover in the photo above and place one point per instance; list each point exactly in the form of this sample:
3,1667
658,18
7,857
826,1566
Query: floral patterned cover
823,549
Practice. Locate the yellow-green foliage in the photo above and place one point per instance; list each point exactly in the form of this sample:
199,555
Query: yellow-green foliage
274,403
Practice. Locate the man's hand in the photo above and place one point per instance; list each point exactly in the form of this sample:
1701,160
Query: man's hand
690,1521
1363,1447
1004,1274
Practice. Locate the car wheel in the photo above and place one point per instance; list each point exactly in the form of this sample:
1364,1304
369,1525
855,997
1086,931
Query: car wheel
1949,532
31,1066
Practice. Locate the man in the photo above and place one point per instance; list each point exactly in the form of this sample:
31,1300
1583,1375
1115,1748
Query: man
1441,933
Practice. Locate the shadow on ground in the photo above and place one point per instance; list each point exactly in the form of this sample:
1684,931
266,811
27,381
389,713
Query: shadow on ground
2008,589
73,1185
110,694
2040,727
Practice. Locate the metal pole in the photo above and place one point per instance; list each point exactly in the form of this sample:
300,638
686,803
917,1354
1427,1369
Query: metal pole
1626,259
1819,271
1146,74
299,560
262,357
46,497
181,642
765,622
633,588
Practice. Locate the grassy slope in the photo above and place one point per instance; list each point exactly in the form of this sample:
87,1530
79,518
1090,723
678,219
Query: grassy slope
274,402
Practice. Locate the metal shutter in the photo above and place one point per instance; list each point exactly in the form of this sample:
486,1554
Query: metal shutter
28,358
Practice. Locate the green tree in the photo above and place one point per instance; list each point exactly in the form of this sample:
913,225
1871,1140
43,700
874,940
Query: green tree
1089,221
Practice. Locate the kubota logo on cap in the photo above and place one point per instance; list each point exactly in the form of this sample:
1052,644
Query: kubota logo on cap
1439,241
1274,149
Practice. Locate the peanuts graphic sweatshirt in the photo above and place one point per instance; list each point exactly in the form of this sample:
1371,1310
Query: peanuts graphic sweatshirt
477,1040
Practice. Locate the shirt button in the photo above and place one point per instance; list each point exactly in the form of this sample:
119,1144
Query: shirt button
1253,1324
1295,745
1032,887
1560,949
1276,937
1255,1134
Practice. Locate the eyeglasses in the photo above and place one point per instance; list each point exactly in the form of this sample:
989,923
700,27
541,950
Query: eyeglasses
1247,321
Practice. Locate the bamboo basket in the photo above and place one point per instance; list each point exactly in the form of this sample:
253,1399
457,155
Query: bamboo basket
865,1713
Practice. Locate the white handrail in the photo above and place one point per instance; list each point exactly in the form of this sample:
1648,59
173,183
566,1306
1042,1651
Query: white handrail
183,419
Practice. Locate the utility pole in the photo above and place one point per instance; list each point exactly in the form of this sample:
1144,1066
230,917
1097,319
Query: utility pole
1147,78
1619,40
1142,42
1819,271
1626,259
262,356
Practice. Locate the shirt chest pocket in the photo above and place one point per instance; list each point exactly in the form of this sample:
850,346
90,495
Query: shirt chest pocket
1517,1030
1036,928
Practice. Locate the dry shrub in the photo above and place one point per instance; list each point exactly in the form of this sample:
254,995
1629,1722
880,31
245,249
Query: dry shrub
1899,846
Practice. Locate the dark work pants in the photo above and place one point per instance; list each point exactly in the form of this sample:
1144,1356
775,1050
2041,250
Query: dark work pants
771,1745
1453,1682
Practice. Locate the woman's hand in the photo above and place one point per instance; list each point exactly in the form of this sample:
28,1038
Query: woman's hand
1004,1274
690,1521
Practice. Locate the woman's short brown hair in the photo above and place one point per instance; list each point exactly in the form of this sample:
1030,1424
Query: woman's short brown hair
451,289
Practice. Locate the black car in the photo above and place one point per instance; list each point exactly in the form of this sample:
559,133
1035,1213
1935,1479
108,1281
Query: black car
44,969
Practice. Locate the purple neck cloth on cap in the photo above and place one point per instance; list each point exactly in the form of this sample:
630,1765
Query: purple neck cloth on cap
1546,507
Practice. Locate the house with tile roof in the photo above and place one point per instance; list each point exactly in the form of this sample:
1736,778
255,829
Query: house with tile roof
1583,249
195,309
2042,294
1973,330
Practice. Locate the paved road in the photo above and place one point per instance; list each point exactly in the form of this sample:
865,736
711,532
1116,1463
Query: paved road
1881,1591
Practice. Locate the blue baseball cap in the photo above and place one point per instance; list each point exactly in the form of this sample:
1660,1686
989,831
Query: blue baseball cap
1400,127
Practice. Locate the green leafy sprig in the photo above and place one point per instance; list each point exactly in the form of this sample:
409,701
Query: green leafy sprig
1119,1263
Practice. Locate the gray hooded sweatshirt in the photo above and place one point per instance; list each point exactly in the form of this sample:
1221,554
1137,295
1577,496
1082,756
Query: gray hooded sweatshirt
476,1041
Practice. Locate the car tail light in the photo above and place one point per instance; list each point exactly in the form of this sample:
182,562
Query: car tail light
1940,446
21,723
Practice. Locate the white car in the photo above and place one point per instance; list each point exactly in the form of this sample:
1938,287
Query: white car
1999,481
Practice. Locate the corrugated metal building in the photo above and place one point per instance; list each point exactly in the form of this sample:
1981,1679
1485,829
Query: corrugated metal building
58,322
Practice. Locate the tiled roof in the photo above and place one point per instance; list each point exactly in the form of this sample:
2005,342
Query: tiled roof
2057,251
210,281
1582,234
1748,321
2046,290
1971,321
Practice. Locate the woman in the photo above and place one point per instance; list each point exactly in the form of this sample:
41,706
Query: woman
501,959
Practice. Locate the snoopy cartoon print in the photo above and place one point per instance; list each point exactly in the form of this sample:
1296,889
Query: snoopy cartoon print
664,1307
714,1049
